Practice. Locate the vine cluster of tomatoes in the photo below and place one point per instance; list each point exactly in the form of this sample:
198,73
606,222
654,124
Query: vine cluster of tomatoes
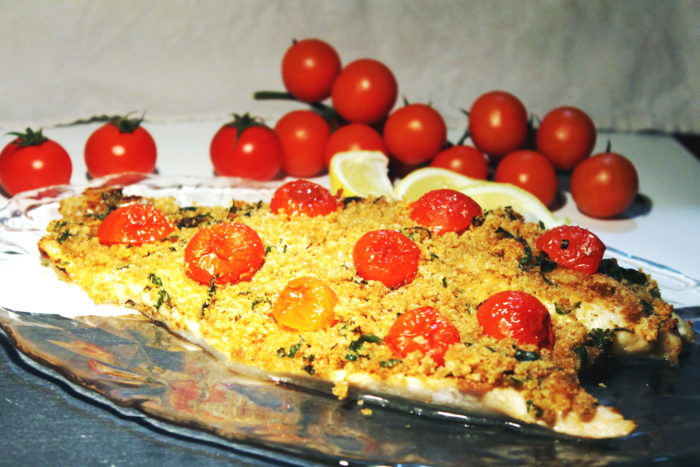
361,116
506,147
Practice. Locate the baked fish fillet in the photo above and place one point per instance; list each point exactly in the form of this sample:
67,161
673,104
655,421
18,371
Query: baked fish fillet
616,311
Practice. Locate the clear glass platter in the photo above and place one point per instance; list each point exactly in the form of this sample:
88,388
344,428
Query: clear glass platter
127,362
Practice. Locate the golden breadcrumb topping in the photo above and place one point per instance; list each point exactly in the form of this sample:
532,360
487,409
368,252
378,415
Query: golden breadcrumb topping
456,273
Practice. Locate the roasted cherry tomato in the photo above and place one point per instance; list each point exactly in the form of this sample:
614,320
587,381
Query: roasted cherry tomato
572,247
120,145
415,133
445,211
566,136
604,185
246,148
354,137
303,134
364,91
386,256
422,330
530,171
33,161
309,68
518,315
226,253
463,159
305,304
302,197
498,123
134,224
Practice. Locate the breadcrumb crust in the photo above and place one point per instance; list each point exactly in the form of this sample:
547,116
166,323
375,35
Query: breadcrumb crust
456,273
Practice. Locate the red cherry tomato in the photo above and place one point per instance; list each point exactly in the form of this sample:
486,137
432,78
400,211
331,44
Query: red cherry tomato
33,161
530,171
120,145
498,123
246,148
386,256
134,224
566,136
518,315
303,134
305,304
465,160
445,211
604,185
422,330
354,137
227,252
415,133
364,91
302,197
309,68
572,247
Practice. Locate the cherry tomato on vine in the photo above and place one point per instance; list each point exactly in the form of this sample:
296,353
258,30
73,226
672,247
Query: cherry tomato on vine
566,136
604,185
530,171
572,247
246,148
227,253
415,133
31,160
387,256
305,304
498,123
134,224
309,68
354,137
303,197
422,330
364,92
444,211
463,159
303,135
120,145
518,315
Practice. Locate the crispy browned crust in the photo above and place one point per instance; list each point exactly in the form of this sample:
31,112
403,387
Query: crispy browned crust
456,273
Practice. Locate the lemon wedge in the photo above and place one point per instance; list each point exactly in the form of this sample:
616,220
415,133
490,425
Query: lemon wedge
492,195
420,181
360,173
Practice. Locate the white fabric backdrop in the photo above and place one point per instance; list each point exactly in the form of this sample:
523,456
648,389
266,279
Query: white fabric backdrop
631,64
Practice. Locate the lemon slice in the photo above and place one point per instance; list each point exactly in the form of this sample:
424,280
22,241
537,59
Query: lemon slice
360,173
420,181
492,195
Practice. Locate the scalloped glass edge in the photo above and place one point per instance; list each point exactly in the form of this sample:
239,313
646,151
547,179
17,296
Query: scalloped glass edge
23,220
167,426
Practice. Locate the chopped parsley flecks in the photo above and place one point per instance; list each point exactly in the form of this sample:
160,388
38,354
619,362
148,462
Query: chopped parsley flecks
417,233
210,294
611,268
529,261
193,221
561,310
163,295
390,363
526,355
355,346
